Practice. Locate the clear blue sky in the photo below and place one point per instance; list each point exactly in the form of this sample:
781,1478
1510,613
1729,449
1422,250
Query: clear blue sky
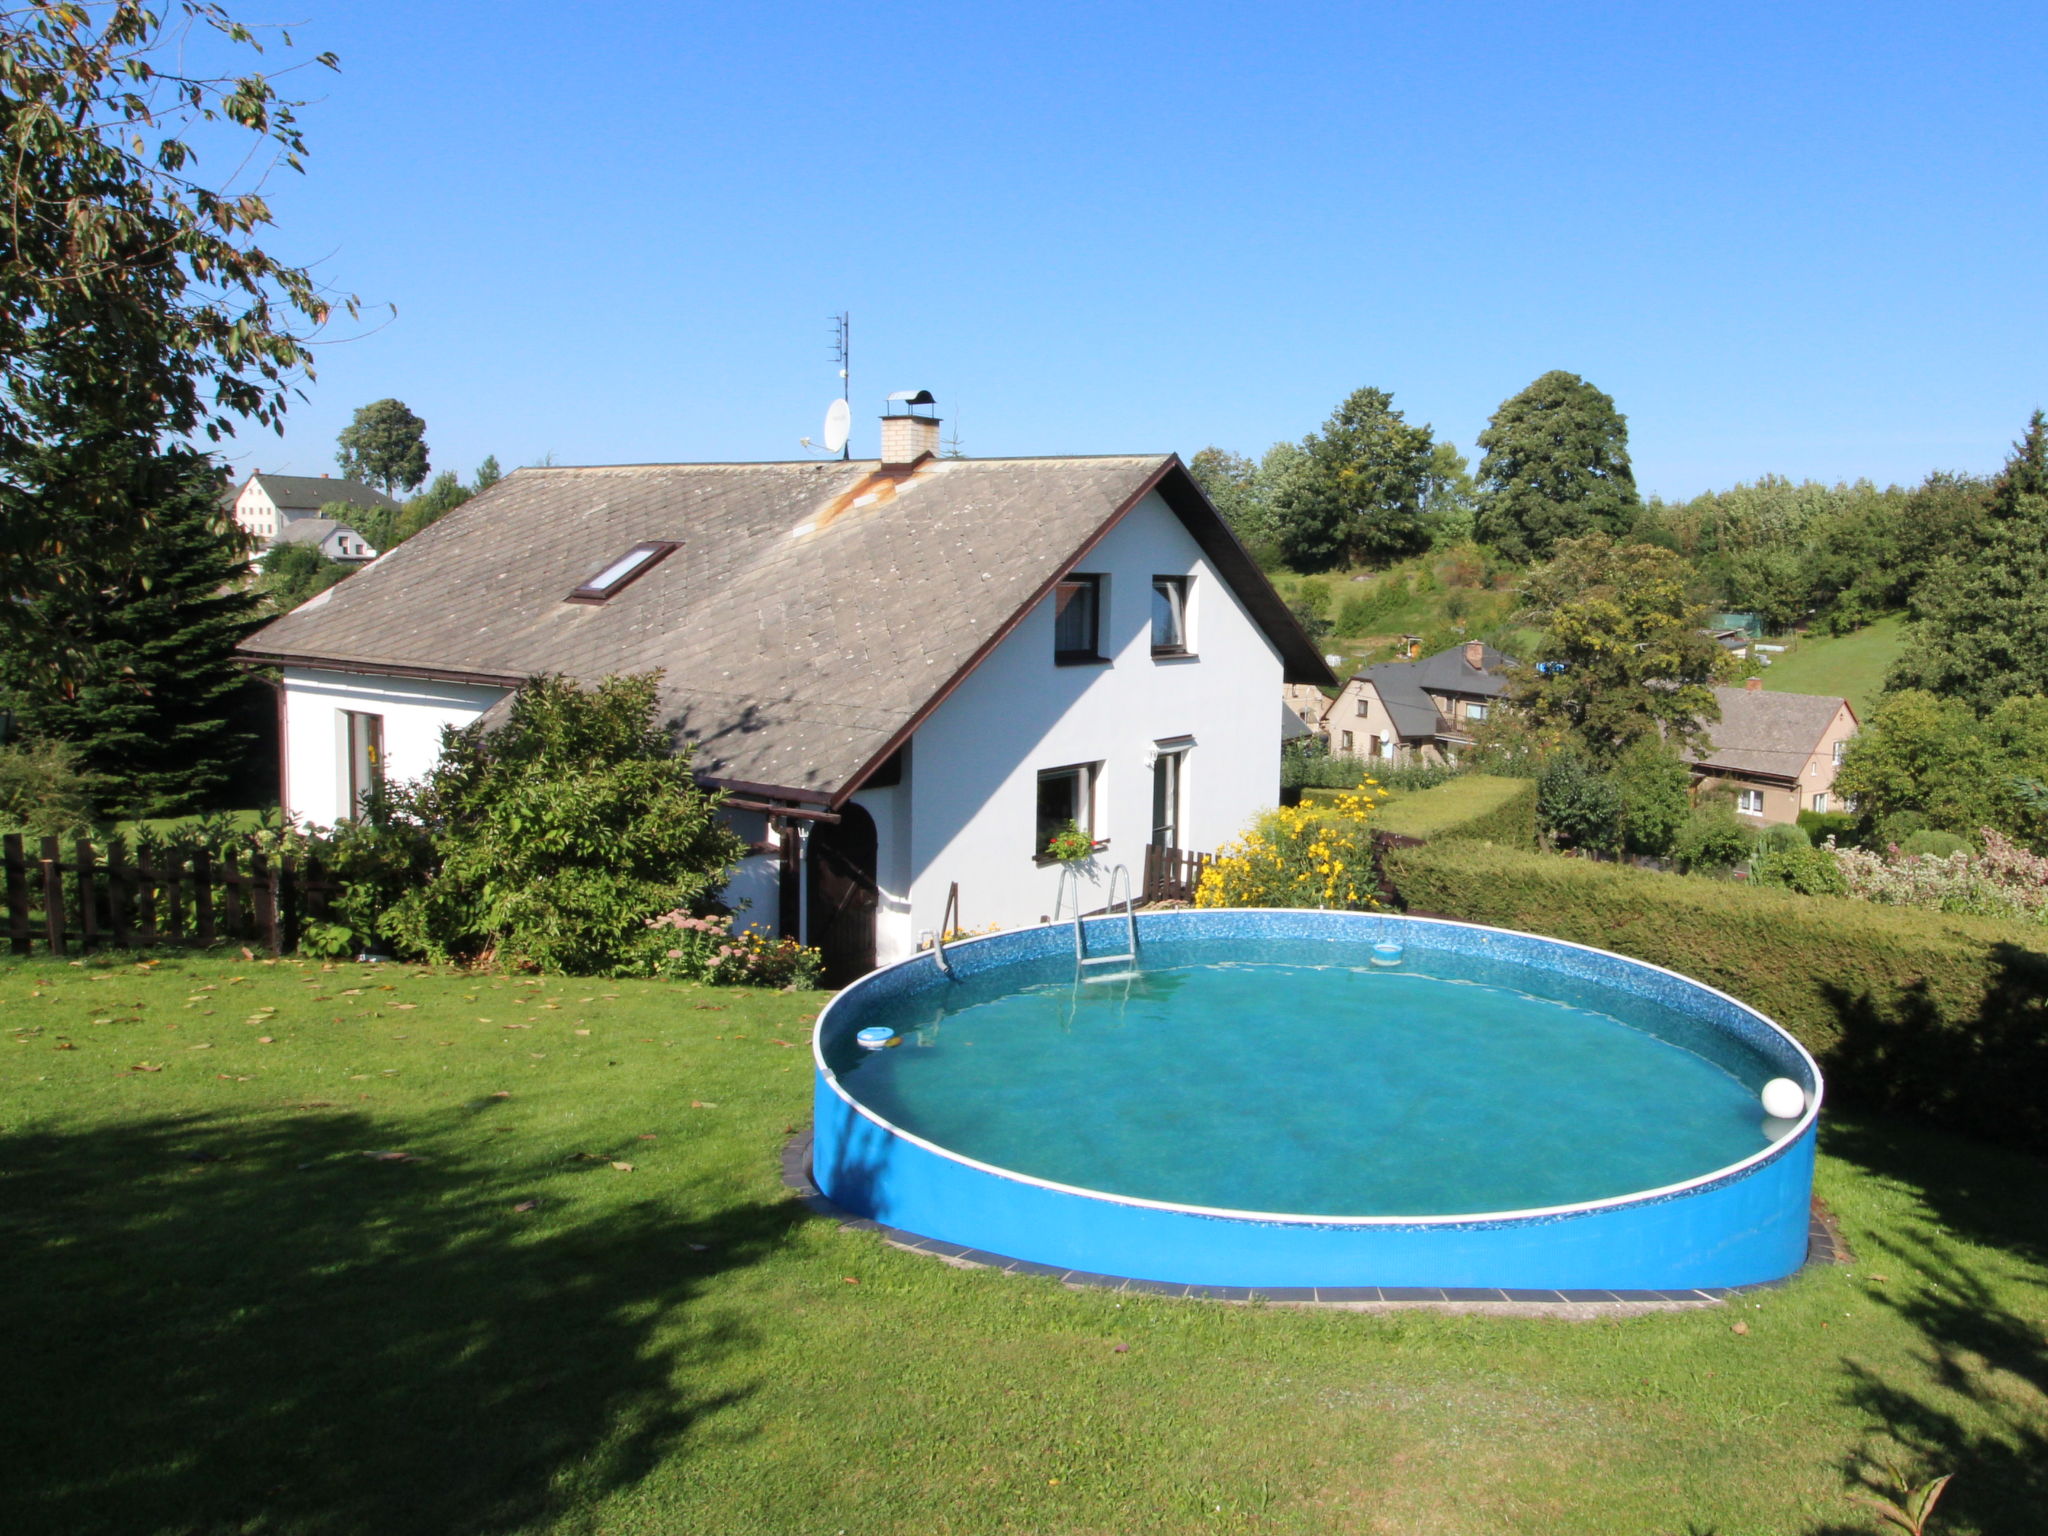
1795,238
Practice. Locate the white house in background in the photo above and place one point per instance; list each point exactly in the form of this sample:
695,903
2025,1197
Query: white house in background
335,540
265,505
907,673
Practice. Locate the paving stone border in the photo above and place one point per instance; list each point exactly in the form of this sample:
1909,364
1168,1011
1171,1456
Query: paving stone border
1824,1245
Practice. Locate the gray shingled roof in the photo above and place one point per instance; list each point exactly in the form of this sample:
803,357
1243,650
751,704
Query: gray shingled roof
1401,684
310,530
812,614
1762,732
309,493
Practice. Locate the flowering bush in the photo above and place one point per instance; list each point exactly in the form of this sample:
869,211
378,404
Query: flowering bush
707,949
1069,845
1308,856
2003,881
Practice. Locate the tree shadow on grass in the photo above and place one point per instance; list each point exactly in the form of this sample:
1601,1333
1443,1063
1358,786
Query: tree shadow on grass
1975,1346
256,1327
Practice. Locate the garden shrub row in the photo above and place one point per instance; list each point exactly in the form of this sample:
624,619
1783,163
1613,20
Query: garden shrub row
1475,807
1922,1014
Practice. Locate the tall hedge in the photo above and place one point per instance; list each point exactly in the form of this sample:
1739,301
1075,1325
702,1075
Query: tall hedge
1922,1014
1475,807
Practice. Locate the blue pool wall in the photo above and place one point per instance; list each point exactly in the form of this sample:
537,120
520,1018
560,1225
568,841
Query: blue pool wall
1742,1225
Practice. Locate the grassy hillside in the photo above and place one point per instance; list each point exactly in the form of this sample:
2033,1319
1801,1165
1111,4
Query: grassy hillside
1851,665
1445,596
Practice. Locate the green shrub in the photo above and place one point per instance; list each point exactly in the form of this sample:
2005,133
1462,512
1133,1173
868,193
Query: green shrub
1799,867
1306,762
1819,826
1937,844
556,840
1920,1014
1655,786
43,790
1578,806
1782,837
1712,841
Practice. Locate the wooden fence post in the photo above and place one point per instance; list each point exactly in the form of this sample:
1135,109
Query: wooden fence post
53,895
172,872
202,897
88,897
231,886
16,863
120,893
265,892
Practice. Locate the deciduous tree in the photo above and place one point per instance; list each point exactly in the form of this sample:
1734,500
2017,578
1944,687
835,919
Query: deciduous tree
1556,467
132,287
1358,496
385,446
1624,658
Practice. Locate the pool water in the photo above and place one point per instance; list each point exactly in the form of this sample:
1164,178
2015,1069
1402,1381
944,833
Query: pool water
1315,1089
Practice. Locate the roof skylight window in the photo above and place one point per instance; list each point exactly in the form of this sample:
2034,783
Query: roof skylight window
623,572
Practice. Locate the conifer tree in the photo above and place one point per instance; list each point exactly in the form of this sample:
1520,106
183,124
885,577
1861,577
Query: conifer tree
148,691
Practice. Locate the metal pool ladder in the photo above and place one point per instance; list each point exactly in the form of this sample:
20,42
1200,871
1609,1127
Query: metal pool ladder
1128,955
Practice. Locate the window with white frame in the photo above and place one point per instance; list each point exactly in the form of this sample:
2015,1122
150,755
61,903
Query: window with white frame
1077,620
1066,796
1750,802
1364,706
1347,741
363,753
1840,748
1820,803
1169,781
1170,616
1475,711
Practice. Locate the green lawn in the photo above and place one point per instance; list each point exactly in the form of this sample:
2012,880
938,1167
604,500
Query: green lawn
1852,665
288,1250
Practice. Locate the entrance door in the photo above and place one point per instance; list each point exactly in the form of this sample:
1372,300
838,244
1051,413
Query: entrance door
843,894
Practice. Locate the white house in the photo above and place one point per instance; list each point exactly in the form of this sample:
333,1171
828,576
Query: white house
264,506
907,673
336,540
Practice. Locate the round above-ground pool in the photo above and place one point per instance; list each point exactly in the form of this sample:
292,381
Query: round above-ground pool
1283,1099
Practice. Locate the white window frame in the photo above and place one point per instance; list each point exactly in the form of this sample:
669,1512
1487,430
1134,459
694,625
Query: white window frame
1749,802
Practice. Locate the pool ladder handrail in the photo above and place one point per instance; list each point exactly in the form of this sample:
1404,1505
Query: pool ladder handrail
948,922
1129,954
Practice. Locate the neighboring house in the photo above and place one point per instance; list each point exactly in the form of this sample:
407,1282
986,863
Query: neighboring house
1306,704
1778,752
907,673
266,505
335,540
1423,711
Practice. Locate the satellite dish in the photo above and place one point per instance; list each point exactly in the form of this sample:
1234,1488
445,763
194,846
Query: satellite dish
838,422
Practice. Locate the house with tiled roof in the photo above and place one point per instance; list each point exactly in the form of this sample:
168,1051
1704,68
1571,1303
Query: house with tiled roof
263,506
1778,753
332,537
906,673
1425,711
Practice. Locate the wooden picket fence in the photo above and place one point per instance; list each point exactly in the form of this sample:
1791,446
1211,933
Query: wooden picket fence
104,899
1173,874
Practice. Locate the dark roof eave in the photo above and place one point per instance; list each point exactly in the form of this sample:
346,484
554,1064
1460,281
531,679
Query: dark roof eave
251,656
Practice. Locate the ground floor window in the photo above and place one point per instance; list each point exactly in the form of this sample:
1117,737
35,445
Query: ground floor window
364,749
1169,773
1065,795
1372,746
1750,802
1820,803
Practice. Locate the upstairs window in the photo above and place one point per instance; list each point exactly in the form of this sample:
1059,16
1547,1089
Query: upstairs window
1169,616
1840,748
623,572
1077,620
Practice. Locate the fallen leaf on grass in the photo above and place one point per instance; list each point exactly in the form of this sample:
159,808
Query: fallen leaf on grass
702,1104
709,1007
63,1045
851,1279
351,991
247,954
266,1039
507,1026
785,1044
582,1031
229,1077
391,1157
405,1005
103,1021
527,1205
647,1136
203,1046
502,1093
143,1066
622,1167
1740,1328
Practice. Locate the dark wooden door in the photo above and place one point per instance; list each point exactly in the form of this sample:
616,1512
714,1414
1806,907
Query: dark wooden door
843,894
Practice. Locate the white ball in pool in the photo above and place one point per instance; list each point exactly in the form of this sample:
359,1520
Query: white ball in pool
1784,1099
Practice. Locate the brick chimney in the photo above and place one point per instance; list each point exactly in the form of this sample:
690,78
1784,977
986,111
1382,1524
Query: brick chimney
1475,652
1754,684
907,436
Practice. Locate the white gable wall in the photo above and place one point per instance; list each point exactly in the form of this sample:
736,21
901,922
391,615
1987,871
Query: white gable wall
316,735
974,765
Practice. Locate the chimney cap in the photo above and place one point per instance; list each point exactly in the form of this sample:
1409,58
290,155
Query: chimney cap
906,401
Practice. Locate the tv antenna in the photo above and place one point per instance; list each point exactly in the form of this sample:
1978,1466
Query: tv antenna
839,416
